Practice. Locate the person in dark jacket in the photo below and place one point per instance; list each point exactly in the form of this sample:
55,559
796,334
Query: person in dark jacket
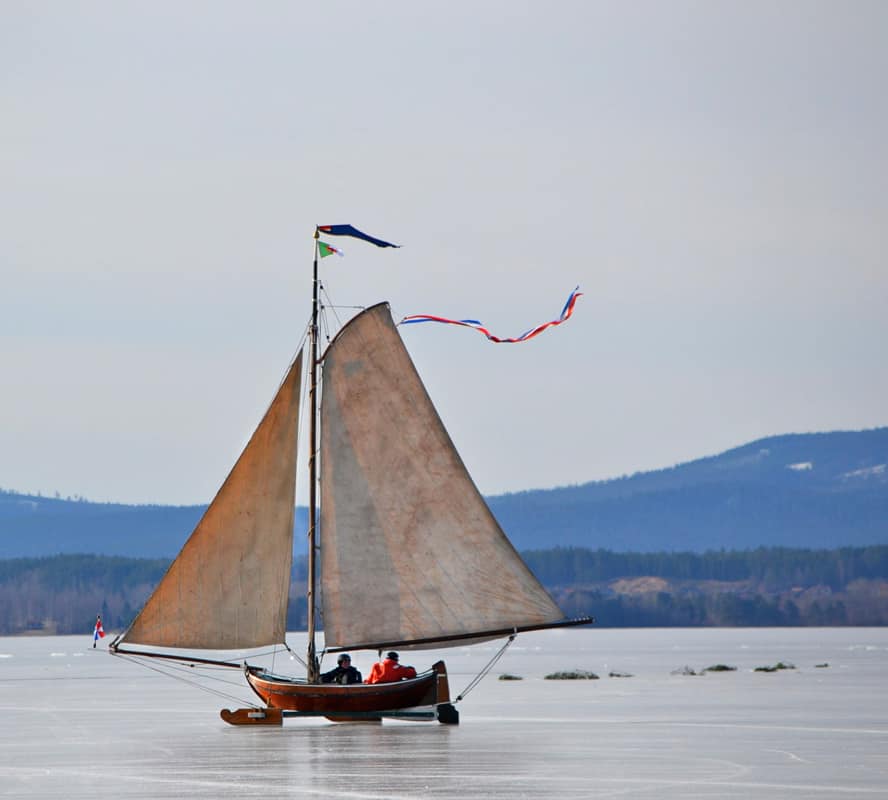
343,673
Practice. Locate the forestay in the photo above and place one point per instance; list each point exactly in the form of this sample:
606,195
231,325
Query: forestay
228,587
409,549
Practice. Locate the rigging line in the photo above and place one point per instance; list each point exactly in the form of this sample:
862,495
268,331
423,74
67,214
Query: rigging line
295,354
481,675
304,337
261,654
295,655
324,325
328,328
333,307
195,684
280,383
192,669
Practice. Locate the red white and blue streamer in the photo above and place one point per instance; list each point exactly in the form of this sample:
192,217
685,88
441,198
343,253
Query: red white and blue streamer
476,324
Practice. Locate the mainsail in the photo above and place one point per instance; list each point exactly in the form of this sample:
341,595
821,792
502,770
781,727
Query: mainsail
410,552
228,587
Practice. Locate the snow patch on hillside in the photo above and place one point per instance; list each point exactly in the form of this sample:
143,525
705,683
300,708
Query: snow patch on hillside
866,472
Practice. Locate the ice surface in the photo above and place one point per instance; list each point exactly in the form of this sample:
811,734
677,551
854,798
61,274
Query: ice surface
86,725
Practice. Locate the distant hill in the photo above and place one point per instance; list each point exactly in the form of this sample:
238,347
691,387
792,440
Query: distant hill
33,526
821,490
815,490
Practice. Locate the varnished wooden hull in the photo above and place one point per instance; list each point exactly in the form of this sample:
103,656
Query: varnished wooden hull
429,689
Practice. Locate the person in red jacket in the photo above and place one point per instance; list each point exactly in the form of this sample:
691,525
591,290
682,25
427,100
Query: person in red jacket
389,670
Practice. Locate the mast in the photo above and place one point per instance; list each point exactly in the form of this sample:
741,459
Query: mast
311,658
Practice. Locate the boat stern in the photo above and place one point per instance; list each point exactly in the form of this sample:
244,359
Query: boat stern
445,711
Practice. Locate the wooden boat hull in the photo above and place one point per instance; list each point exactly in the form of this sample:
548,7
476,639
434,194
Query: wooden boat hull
354,702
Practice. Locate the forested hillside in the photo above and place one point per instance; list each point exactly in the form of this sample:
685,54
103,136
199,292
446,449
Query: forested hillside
60,594
773,586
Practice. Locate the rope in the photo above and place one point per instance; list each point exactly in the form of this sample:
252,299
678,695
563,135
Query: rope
296,656
481,675
169,673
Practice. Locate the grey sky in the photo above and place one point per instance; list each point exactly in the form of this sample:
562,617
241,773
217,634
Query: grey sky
712,174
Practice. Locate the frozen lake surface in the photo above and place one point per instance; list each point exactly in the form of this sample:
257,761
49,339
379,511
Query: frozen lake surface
81,724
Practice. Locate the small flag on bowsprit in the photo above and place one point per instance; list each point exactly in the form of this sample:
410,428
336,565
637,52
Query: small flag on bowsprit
99,631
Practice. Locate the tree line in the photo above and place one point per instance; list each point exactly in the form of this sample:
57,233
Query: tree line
762,587
767,586
774,567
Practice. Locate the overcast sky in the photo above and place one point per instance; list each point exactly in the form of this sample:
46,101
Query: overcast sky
713,175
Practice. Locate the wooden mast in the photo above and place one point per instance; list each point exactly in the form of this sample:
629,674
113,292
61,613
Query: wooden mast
312,664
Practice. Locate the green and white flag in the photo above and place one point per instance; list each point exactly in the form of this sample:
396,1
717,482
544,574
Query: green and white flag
325,250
